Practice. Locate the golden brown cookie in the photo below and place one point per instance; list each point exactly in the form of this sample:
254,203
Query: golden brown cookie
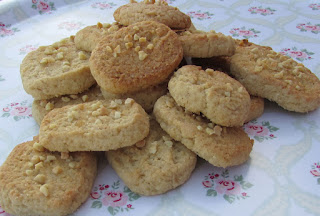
42,107
158,11
146,98
219,97
200,44
136,57
87,38
256,108
34,181
276,77
94,126
55,70
154,165
220,146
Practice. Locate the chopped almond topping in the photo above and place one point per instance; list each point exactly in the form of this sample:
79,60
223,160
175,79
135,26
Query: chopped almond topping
40,178
38,147
65,99
142,55
109,49
44,190
57,170
85,98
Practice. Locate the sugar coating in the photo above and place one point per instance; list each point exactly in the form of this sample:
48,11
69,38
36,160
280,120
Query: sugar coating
99,125
279,78
55,70
155,165
220,146
53,189
219,97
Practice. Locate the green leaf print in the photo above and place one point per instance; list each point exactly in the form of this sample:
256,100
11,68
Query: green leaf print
133,196
246,185
238,178
96,204
211,192
258,138
229,198
5,115
111,210
17,118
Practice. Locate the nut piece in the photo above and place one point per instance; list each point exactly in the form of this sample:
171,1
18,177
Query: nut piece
82,55
142,55
128,101
39,165
29,172
40,178
44,190
168,143
35,159
117,115
49,106
50,158
38,147
85,98
57,170
150,46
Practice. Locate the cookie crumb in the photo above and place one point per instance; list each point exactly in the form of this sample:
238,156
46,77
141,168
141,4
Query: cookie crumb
57,170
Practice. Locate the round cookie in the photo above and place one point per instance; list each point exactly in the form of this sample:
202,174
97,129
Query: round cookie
87,38
42,107
220,146
146,98
219,97
256,108
58,69
200,44
276,77
34,181
155,165
100,125
158,11
136,57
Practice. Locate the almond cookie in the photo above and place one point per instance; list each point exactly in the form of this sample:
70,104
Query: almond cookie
42,107
220,146
200,44
34,181
87,38
219,97
94,126
146,98
147,10
55,70
276,77
154,165
256,108
136,57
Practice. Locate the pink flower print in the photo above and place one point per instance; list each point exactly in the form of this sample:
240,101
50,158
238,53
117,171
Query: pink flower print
312,28
6,109
315,173
34,1
70,25
227,187
27,49
95,195
298,54
200,15
314,6
115,199
244,194
304,27
207,184
20,111
129,206
6,32
245,33
103,5
3,213
256,130
44,7
262,11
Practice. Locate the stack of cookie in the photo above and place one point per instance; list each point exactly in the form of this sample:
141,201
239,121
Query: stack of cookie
92,93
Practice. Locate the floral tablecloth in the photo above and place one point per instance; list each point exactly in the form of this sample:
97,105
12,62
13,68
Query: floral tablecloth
282,176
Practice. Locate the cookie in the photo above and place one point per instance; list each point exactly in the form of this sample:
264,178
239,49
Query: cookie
34,181
42,107
100,125
136,57
158,11
219,97
256,108
146,98
268,74
220,146
55,70
155,165
200,44
87,38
